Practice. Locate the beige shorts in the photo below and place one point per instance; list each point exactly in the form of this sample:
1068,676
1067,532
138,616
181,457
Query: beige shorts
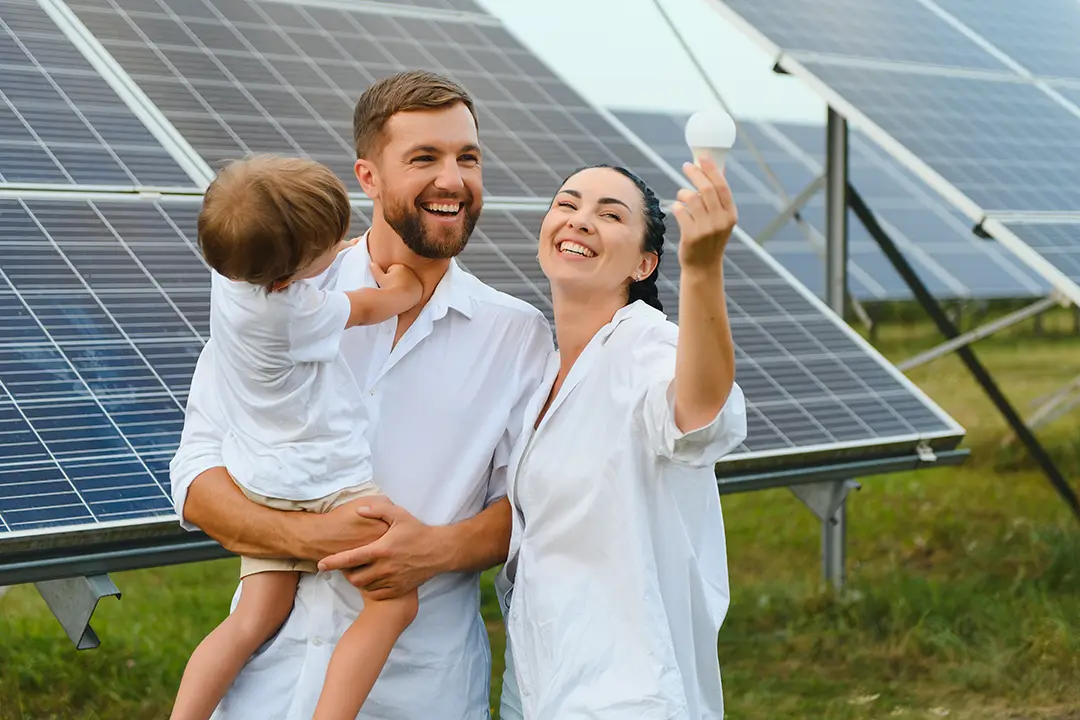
250,565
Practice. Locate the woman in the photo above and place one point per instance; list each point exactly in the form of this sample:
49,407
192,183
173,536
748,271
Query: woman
618,560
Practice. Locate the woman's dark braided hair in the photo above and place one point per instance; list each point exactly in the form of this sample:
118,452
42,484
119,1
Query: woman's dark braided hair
654,235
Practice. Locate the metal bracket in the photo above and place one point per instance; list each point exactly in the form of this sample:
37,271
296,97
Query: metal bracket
925,452
824,498
73,601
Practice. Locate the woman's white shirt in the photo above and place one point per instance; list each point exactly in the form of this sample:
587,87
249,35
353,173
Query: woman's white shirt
618,560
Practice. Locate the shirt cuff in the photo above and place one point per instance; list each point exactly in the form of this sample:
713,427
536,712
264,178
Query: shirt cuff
706,445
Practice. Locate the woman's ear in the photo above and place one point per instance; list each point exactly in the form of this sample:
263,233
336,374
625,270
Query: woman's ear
645,267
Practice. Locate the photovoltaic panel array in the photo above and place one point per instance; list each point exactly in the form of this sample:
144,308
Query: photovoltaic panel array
979,98
104,298
103,313
937,239
241,76
61,123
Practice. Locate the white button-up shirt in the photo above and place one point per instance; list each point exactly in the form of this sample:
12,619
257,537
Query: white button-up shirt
618,556
445,408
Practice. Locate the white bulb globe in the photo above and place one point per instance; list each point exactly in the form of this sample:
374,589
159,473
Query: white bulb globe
712,133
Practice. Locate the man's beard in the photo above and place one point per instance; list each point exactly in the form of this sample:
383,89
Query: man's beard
406,221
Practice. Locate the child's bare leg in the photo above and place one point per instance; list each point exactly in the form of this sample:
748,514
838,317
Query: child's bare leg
360,655
265,603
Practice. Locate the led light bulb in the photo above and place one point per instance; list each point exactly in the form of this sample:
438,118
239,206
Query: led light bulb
712,133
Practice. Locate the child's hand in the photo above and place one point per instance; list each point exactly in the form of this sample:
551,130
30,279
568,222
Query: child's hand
348,244
399,277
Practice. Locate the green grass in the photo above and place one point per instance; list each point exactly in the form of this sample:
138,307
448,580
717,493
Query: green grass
963,597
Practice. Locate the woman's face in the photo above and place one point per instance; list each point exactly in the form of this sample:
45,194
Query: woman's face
591,238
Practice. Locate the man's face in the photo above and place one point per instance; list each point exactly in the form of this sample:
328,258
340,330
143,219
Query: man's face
427,179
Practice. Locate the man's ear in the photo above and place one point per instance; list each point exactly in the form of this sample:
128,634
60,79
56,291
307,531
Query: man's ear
368,176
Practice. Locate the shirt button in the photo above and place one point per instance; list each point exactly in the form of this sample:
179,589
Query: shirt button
317,642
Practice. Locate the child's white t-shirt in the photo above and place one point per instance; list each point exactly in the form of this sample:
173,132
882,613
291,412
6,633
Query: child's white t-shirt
296,417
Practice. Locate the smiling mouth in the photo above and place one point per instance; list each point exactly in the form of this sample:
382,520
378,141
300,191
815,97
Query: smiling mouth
445,210
572,248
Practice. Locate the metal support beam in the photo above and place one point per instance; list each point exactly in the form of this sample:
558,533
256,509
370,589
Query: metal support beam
826,500
791,210
73,601
967,355
834,525
981,332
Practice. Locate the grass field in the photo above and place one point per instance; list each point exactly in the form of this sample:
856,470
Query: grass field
963,600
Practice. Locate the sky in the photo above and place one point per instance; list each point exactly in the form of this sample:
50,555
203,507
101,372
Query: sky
622,55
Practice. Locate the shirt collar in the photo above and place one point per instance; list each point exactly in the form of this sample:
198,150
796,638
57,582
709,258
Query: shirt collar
454,291
638,308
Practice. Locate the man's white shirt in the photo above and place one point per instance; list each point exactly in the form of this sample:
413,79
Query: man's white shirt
445,406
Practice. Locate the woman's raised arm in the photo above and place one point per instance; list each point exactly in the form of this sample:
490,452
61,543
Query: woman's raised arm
705,359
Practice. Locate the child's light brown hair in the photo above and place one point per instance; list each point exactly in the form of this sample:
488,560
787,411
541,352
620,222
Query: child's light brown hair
264,218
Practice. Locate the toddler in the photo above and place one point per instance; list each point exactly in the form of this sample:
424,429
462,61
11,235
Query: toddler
296,419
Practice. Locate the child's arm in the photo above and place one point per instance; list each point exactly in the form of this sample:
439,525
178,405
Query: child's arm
399,289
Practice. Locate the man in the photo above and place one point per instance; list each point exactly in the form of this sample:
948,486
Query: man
446,386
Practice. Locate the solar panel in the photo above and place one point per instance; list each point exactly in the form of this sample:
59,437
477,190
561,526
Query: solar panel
998,137
1040,34
1058,243
239,76
938,239
60,121
886,30
103,313
95,358
1005,144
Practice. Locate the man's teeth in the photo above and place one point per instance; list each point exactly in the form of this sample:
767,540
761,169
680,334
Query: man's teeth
572,247
443,208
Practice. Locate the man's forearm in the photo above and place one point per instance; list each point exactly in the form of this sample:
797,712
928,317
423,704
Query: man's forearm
481,542
217,506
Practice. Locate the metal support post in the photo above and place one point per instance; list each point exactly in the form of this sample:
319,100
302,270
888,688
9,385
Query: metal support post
826,500
967,355
73,601
834,525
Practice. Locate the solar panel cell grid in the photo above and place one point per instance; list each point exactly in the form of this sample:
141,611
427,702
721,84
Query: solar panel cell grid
282,78
1039,34
1059,243
1006,145
902,31
60,122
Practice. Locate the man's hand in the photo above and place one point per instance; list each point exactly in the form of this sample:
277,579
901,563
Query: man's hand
407,555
